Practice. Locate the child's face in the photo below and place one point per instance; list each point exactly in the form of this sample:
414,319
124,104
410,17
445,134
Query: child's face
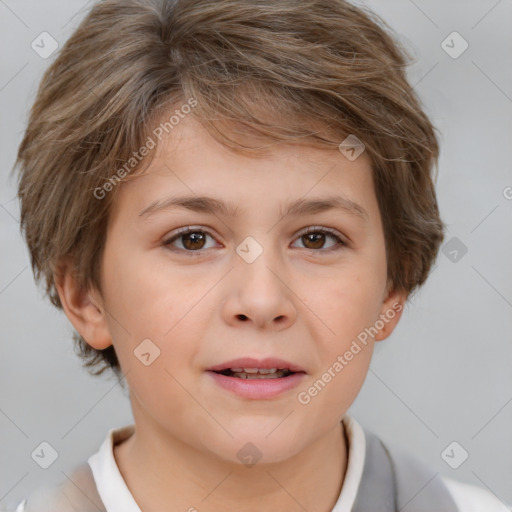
214,298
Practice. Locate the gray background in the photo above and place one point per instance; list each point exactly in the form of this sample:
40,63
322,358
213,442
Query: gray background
444,375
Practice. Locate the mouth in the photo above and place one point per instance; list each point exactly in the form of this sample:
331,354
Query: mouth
257,373
257,379
250,368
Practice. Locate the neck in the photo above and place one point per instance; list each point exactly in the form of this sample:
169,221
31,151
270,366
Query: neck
163,473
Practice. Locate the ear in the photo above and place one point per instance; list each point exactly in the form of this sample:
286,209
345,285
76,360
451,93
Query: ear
391,311
83,308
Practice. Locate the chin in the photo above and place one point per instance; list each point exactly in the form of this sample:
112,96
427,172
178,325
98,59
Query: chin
256,445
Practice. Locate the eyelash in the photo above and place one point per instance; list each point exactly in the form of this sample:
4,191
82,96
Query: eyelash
341,244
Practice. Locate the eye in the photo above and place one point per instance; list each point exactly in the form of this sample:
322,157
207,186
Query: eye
192,239
315,238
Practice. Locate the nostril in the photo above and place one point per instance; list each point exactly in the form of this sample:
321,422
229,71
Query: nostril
242,317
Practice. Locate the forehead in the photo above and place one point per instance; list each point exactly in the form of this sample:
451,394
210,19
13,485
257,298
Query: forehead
192,169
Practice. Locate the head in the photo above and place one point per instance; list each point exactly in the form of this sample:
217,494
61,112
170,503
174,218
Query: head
238,101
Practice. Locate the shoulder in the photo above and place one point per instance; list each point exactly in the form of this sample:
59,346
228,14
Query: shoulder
419,485
76,493
43,498
21,507
472,498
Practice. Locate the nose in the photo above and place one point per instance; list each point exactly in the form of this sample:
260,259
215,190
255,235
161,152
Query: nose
258,294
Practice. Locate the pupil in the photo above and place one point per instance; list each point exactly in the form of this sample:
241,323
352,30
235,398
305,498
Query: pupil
316,238
194,238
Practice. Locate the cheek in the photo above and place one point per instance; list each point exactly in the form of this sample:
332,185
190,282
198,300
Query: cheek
147,303
156,302
347,307
349,302
142,292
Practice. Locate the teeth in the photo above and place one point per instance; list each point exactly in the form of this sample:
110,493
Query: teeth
273,375
262,371
251,370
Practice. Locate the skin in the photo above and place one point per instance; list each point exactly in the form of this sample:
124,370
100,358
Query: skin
299,301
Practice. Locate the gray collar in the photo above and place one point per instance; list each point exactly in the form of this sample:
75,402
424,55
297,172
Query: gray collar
394,481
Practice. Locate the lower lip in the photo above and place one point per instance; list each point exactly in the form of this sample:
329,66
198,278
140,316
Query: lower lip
257,389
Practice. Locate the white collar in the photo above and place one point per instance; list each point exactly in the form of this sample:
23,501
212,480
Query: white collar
112,488
117,497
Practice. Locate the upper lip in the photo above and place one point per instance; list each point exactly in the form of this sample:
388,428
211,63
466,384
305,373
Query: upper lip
249,362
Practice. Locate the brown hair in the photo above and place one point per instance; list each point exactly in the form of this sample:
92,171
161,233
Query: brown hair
305,71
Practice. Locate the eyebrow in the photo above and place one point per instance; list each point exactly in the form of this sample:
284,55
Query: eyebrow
210,205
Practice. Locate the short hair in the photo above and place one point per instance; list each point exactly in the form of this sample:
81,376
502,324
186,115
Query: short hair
296,71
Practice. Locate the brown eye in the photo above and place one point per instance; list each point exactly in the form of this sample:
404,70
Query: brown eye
192,240
315,239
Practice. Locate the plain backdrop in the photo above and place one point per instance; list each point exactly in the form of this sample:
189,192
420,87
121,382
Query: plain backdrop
444,376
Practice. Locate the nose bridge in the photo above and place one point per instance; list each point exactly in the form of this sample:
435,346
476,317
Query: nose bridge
257,289
259,263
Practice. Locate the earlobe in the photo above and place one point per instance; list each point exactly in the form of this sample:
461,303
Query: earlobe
390,313
83,309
